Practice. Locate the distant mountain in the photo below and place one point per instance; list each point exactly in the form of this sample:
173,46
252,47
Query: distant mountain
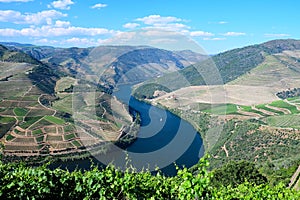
128,64
224,67
37,101
7,55
40,89
42,75
15,44
245,103
142,64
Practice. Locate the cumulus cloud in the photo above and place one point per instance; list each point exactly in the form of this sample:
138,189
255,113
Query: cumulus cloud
99,5
214,39
168,23
46,41
59,23
177,27
155,37
131,25
9,1
120,38
200,33
54,31
277,35
43,17
233,34
157,19
62,4
75,41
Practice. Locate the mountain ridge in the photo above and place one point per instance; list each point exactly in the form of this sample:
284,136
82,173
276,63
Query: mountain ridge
224,67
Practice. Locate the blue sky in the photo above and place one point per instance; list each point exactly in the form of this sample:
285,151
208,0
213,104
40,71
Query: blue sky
216,25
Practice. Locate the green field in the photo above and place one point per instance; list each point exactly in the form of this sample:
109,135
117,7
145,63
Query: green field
40,139
29,121
37,132
222,109
64,104
41,124
20,112
54,138
64,83
9,137
55,120
70,136
39,112
249,109
283,104
284,121
69,128
6,120
76,143
31,98
263,107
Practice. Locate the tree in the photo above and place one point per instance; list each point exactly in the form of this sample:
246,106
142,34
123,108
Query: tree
235,173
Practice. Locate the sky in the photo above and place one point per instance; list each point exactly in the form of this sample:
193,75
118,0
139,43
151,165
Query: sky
213,25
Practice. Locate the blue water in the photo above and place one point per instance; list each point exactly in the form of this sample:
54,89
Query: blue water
163,139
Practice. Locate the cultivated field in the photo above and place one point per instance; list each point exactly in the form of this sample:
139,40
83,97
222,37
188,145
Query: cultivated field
28,127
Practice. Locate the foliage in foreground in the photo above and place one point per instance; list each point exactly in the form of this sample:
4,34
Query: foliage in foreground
236,173
21,182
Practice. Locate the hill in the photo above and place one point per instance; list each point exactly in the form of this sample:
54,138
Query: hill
225,67
246,118
41,86
36,113
137,63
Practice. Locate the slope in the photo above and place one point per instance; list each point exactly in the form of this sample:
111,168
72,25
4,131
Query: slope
243,118
225,67
34,120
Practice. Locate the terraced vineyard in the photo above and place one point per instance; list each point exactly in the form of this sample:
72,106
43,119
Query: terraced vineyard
245,119
34,122
33,128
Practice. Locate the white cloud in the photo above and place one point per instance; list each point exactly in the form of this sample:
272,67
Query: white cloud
163,40
157,19
59,23
120,38
62,4
233,34
277,35
168,23
222,22
99,5
74,41
8,1
131,25
80,42
158,33
177,27
155,37
43,17
8,32
200,33
53,31
214,39
45,41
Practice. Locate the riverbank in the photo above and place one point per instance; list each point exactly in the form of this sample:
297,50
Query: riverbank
127,137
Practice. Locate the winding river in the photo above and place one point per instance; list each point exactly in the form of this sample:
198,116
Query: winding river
163,139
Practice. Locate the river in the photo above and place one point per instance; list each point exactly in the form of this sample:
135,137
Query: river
163,139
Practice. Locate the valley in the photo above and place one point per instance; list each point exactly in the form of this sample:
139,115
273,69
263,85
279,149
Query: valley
59,103
243,119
